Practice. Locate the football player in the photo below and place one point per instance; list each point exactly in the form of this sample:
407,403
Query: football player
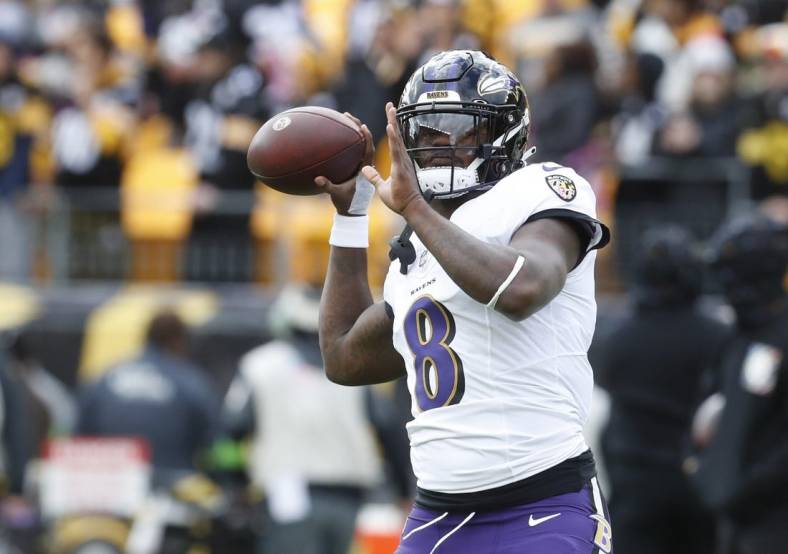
488,309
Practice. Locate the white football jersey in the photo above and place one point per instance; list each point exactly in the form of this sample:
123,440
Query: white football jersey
494,400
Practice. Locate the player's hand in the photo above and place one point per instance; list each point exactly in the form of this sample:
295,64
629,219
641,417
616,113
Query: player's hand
402,188
343,194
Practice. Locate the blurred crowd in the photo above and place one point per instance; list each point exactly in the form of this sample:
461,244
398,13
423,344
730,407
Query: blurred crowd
124,124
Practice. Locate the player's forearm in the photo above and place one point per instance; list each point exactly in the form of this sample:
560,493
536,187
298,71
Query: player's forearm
476,266
355,334
346,293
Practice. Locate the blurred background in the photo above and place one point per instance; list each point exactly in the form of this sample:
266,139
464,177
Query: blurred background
147,282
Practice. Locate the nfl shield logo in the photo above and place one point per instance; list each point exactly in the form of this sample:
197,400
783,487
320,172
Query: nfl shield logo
564,187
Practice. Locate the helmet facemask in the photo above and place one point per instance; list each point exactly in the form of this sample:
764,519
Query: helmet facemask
458,147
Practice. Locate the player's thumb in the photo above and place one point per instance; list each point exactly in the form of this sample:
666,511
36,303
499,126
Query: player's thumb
323,183
371,174
327,185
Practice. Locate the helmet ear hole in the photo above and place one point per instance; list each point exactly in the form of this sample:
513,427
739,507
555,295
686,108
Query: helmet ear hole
502,167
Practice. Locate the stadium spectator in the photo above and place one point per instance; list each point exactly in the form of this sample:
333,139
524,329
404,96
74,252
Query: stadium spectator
744,447
653,364
227,106
713,118
762,142
443,28
312,452
639,115
160,397
380,62
670,29
87,84
159,181
568,104
88,129
24,122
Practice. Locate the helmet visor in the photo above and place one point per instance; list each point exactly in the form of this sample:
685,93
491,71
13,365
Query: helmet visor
445,139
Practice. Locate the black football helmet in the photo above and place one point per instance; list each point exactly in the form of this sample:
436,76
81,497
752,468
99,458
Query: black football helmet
669,269
464,119
749,258
749,253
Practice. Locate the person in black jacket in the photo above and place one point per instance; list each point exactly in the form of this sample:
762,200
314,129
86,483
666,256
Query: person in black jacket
743,470
652,366
158,396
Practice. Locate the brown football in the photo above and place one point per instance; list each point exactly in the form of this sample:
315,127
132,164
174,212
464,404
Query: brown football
299,144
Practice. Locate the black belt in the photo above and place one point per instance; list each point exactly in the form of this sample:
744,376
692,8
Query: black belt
569,476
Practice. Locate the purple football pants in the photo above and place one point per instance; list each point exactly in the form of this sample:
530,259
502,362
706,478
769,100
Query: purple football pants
572,523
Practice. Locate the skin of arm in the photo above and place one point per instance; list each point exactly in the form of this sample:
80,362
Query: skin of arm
550,247
355,334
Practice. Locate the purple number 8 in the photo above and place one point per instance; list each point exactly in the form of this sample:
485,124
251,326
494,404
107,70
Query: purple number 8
429,329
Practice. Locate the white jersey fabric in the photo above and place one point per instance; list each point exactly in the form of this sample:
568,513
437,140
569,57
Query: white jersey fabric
494,400
307,427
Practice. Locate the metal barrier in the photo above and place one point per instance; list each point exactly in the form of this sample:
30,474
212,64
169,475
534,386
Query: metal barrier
83,238
101,235
86,236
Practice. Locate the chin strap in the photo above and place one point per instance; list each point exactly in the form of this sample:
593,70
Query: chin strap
401,247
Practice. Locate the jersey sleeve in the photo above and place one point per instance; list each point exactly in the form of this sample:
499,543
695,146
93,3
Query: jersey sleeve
550,191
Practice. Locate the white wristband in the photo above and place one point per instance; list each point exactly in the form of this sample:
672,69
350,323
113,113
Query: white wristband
350,231
362,197
508,281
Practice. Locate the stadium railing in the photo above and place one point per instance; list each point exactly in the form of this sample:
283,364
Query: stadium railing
94,234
